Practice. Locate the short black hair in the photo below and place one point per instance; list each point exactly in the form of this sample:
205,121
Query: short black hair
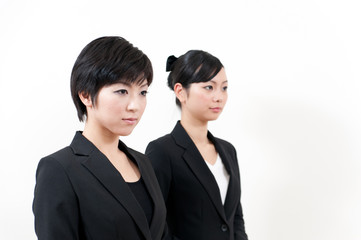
192,67
105,61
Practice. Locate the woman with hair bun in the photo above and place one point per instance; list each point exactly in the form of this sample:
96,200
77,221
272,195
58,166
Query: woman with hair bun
197,172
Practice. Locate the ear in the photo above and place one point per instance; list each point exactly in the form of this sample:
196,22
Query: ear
86,99
180,92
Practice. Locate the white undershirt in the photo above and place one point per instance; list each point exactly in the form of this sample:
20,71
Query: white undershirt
221,175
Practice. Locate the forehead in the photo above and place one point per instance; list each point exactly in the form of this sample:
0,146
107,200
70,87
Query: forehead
220,77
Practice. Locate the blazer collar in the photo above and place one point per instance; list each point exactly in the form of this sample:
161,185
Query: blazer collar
197,164
150,182
233,191
102,169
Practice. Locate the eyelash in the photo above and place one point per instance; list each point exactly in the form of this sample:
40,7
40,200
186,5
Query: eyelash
211,88
124,91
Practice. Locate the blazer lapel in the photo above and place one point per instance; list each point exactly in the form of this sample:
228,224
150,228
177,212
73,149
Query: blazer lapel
98,164
157,198
200,169
233,191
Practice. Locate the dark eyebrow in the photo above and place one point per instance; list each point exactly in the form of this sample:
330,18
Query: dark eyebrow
130,84
145,84
124,83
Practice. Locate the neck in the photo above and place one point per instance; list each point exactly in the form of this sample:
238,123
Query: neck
196,129
106,142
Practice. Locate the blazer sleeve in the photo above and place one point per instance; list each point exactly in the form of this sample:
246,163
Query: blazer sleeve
55,205
239,228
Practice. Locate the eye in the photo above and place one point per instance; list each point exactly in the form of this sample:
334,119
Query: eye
122,91
144,93
209,87
225,88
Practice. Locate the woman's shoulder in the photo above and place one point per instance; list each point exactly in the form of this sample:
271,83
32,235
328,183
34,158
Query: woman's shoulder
63,157
161,148
59,155
56,164
161,142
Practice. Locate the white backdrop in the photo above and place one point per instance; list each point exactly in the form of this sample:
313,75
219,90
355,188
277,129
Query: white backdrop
293,114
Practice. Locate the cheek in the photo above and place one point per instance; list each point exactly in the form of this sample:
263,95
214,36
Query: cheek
201,97
143,104
225,98
116,107
206,98
106,102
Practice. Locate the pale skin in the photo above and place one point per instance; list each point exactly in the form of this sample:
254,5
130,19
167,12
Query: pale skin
200,103
116,111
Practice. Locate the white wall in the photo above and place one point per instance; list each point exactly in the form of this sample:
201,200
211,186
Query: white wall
294,109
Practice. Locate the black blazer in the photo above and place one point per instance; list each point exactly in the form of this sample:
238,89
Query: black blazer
194,205
80,195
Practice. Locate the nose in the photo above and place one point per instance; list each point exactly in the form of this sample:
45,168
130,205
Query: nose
218,96
133,104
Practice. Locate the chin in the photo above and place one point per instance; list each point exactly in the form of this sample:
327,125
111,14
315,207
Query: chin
124,132
213,118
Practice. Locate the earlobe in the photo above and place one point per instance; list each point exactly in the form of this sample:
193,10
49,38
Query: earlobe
86,99
179,92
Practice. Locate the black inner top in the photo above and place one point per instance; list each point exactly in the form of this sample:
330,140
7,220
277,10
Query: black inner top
141,194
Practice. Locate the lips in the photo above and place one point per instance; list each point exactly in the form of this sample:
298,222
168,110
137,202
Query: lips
130,120
216,109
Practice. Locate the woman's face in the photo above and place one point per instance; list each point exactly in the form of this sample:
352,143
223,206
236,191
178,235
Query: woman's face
119,108
205,101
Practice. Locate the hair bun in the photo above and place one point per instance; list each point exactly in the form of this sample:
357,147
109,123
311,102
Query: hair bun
170,62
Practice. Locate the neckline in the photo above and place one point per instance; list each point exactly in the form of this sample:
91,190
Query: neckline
215,163
136,182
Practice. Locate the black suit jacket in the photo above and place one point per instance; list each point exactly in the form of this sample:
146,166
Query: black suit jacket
80,195
194,205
